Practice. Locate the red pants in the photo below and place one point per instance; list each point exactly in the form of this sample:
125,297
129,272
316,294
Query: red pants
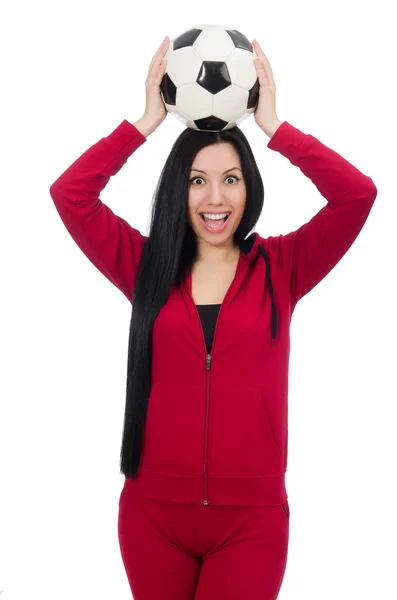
174,551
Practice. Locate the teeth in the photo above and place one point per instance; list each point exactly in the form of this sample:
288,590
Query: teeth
215,217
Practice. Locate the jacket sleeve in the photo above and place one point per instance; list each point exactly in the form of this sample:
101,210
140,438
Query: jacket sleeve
308,254
108,241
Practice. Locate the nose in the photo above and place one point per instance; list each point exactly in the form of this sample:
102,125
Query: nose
217,194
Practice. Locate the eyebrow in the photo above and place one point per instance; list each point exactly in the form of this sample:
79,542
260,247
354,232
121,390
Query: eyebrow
227,171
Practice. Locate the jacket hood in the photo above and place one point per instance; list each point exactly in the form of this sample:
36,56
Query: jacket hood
251,247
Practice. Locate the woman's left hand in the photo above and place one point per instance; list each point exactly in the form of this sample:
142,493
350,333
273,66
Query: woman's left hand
265,113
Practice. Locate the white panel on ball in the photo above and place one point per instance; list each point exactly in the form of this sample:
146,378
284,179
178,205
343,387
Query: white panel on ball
183,66
230,104
176,112
242,71
214,45
194,101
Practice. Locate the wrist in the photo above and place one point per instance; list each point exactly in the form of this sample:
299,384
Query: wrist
271,129
144,126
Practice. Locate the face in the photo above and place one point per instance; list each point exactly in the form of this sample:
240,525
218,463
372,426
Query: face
216,186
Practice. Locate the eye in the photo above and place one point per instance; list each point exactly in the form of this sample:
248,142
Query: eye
228,177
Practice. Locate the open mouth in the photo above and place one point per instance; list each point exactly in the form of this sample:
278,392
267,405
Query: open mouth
215,225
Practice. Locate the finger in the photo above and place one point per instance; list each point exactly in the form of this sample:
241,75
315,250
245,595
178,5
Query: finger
157,72
262,75
264,60
163,47
258,47
156,55
160,71
160,55
159,64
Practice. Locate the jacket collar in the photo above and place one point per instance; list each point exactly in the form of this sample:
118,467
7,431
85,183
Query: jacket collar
251,247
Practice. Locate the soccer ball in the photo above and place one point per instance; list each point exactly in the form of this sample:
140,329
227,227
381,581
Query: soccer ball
210,82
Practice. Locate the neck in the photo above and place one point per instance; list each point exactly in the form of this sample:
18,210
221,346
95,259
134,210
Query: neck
217,255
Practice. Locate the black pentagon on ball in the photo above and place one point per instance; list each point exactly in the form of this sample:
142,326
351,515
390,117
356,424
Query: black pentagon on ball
210,124
214,76
186,39
168,89
239,40
253,95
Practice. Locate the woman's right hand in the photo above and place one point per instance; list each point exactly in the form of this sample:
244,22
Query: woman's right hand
155,111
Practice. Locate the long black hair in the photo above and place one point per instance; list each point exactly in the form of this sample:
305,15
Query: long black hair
170,249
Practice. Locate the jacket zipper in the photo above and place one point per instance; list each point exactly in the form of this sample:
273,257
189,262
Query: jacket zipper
208,361
208,358
207,411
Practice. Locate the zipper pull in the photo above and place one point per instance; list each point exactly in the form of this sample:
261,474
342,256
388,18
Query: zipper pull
208,362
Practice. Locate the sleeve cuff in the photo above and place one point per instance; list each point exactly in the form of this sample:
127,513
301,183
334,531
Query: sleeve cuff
126,138
287,140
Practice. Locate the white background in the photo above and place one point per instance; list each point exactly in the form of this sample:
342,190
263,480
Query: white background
71,72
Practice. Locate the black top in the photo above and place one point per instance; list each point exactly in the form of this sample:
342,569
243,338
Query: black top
208,315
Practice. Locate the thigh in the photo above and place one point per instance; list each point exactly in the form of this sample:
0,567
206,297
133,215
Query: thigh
156,561
250,563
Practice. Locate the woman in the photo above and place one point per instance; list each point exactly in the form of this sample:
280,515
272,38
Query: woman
204,511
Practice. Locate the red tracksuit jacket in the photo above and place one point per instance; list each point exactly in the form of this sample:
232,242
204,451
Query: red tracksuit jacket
217,426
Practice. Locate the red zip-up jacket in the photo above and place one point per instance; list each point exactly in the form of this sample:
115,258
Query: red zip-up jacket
217,425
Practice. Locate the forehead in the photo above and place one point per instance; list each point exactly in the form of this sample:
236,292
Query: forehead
217,156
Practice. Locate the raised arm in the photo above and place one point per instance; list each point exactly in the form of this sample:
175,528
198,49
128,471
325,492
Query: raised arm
308,254
107,240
